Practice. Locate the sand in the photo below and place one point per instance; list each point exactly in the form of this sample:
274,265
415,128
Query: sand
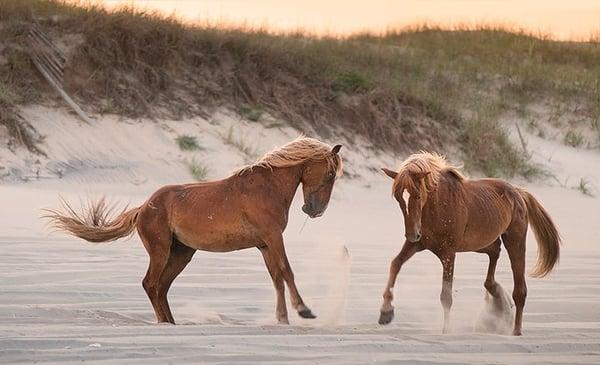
63,300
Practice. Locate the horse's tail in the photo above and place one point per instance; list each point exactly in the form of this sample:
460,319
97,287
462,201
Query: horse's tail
93,223
546,235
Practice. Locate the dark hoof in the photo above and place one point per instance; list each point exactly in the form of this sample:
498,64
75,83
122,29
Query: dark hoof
386,317
306,313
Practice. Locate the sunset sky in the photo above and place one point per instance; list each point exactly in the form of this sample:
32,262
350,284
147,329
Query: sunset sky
563,19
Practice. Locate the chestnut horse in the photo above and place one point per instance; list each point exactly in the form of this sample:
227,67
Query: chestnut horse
248,209
446,213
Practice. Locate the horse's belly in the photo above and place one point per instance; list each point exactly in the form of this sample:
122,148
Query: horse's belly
481,235
218,237
218,241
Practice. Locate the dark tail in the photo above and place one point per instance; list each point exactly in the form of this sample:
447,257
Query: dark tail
546,235
93,223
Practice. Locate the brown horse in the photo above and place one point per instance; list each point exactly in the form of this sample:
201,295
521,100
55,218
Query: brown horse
248,209
446,213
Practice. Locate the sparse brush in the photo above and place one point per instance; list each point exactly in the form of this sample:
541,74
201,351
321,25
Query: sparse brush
19,131
488,148
351,82
251,113
198,170
187,143
240,143
595,124
585,187
7,96
573,138
275,124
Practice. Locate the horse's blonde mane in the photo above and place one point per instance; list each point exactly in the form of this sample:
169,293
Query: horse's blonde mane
296,152
431,162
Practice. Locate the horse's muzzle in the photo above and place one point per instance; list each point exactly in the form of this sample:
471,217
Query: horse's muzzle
311,211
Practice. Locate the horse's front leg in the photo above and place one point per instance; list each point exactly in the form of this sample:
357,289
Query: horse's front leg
281,309
387,309
277,250
447,259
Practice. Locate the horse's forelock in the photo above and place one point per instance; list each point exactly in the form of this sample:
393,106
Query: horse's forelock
422,162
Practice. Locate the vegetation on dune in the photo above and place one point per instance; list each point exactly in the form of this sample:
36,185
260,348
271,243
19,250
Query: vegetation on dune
187,143
421,88
198,170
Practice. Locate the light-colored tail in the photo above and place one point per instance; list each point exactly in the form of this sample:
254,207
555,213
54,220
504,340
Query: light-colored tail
93,223
546,235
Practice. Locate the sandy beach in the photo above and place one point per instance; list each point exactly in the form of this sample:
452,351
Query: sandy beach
63,300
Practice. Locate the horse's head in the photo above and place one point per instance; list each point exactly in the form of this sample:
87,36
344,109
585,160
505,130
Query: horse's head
317,179
411,193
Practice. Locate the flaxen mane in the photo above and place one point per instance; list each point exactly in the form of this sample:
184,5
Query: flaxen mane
431,162
296,152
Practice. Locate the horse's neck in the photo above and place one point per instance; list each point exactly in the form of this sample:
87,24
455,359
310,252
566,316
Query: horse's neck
287,179
443,199
283,182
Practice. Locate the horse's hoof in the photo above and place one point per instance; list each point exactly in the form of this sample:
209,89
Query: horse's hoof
283,321
306,313
166,323
517,333
386,317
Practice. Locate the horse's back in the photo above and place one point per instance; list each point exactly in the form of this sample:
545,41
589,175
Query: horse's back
490,204
496,189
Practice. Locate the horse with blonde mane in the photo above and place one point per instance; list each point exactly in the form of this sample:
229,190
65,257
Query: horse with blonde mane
248,209
447,213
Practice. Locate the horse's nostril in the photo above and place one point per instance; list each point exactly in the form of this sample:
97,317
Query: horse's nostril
418,237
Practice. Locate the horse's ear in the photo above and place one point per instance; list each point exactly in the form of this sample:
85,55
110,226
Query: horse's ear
420,175
336,148
389,172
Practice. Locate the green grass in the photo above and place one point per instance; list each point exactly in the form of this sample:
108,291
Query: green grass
417,88
585,187
187,143
252,113
351,82
198,170
488,148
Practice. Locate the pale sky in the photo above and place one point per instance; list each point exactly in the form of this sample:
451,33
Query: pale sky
563,19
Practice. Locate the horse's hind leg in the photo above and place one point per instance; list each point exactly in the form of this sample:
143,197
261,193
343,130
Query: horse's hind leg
514,241
156,237
180,255
447,259
387,309
493,252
